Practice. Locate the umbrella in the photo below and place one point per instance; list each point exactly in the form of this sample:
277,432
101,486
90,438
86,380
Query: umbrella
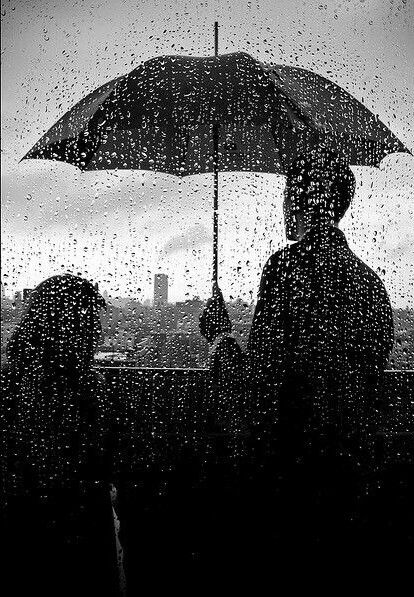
187,115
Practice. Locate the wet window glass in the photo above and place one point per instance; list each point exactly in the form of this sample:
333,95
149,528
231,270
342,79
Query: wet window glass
207,275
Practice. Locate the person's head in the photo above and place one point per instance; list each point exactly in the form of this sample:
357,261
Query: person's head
215,320
319,189
60,329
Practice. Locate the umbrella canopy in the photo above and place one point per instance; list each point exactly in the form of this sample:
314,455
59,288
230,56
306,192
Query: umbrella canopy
161,117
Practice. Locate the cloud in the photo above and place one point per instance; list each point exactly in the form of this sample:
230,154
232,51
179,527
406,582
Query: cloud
193,237
48,195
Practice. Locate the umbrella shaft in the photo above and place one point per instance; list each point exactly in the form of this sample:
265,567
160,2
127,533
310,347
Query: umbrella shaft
215,227
215,169
215,206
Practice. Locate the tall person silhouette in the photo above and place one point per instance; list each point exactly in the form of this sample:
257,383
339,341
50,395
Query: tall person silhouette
321,333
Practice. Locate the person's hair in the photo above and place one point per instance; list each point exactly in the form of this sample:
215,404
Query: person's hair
52,383
312,174
59,330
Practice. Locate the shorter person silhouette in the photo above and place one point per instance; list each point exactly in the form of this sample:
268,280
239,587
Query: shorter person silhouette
58,515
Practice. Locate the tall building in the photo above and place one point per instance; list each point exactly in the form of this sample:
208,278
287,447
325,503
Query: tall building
5,301
160,290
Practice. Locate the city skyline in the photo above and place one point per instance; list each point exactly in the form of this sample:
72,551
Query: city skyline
21,292
152,336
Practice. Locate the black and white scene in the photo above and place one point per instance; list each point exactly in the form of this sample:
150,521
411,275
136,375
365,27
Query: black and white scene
207,295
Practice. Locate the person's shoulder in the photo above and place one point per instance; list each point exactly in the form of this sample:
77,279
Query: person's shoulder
280,258
275,270
367,278
367,273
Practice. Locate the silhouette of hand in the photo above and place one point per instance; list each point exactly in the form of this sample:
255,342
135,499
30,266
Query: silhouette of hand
215,319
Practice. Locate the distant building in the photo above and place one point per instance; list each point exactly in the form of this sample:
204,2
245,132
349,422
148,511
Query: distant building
188,313
6,302
160,290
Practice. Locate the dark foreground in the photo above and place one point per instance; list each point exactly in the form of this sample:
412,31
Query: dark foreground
187,499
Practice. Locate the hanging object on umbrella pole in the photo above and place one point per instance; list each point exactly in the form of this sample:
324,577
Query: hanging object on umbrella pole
215,171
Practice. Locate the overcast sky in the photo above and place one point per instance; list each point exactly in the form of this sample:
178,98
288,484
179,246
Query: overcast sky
120,228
